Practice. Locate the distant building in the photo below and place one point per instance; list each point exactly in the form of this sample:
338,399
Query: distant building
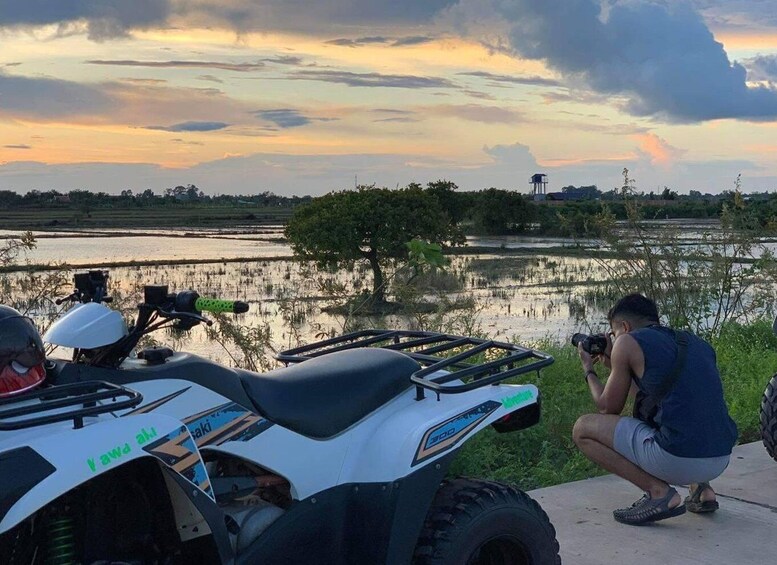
570,195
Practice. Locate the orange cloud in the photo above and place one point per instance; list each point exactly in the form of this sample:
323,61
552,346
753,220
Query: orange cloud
658,150
439,54
562,162
755,41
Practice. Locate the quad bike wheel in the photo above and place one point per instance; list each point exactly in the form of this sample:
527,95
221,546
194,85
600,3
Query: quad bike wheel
769,417
476,522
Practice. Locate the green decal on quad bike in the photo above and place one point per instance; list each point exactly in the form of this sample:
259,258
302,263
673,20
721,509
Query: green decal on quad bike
117,452
110,456
515,400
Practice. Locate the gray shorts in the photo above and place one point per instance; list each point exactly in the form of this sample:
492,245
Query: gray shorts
634,440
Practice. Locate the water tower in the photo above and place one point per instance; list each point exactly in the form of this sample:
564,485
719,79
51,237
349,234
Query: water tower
539,183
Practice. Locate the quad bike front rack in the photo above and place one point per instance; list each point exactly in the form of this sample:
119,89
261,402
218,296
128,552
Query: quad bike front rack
64,402
444,357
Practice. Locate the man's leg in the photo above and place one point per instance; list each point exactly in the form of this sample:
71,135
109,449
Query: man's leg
594,433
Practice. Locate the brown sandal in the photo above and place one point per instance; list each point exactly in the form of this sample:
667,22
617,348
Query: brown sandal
695,504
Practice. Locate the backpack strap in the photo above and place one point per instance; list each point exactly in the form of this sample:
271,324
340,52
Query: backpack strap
681,339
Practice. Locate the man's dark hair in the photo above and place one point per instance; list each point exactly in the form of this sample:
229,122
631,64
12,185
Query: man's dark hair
634,307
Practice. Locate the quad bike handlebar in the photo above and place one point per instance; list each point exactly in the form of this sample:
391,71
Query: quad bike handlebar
189,301
160,308
218,306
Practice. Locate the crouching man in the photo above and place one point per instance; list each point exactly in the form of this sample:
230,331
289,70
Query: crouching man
682,434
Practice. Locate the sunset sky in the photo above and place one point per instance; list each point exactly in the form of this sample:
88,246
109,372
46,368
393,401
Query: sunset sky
305,97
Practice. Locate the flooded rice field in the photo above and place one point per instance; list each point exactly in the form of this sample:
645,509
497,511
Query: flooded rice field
524,298
508,294
98,246
91,247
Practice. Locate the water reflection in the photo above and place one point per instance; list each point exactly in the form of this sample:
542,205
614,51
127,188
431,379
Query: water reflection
526,297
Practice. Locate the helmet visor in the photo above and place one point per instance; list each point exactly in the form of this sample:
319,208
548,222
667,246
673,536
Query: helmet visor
15,379
20,342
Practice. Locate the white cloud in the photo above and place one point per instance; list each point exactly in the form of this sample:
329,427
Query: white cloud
660,55
102,19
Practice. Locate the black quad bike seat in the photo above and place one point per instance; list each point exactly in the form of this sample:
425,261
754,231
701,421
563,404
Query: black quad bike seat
323,396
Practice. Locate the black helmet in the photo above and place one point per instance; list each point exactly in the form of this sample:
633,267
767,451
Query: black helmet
21,353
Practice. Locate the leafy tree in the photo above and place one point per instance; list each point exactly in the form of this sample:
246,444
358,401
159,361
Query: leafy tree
175,191
372,224
454,203
499,212
668,194
192,192
9,198
578,222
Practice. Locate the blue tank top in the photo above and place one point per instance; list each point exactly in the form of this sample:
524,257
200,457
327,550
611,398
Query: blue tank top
692,418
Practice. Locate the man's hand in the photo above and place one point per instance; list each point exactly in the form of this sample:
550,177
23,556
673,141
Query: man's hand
586,358
605,357
590,360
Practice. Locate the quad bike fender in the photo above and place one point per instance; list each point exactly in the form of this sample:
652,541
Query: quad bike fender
362,496
65,458
408,434
395,460
396,440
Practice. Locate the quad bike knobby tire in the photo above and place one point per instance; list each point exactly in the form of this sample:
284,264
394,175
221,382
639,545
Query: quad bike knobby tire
769,417
476,522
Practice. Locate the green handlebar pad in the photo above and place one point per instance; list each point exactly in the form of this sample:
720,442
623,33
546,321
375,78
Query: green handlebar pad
220,306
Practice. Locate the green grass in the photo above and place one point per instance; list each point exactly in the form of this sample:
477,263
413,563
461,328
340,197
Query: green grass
747,358
545,455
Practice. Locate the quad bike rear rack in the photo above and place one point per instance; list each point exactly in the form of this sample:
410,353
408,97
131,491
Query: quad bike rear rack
81,399
474,361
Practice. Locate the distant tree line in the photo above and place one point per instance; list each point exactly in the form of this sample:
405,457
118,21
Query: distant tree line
490,211
495,211
188,195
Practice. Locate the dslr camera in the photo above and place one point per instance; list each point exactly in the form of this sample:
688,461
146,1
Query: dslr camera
592,344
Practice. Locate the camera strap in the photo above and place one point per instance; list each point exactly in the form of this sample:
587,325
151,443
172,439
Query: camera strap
681,339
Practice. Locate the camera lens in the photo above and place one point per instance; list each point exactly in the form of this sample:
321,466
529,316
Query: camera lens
578,338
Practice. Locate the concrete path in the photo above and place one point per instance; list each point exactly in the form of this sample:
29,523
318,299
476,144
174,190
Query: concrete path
742,532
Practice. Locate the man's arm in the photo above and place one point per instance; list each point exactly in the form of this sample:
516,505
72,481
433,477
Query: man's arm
604,358
611,397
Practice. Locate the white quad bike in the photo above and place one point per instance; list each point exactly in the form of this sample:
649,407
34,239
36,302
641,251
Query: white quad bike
164,457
